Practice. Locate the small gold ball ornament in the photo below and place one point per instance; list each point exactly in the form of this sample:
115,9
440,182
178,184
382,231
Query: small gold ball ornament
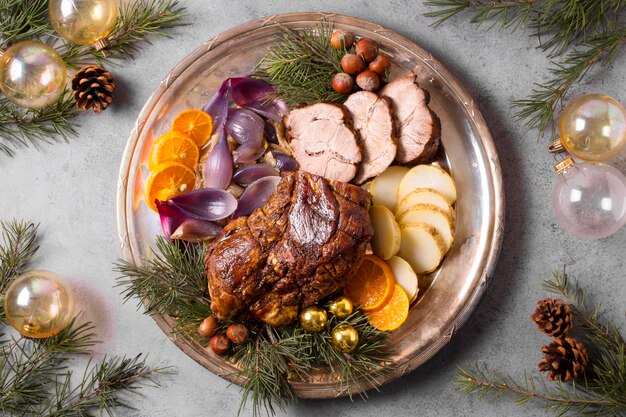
345,338
39,304
84,22
313,319
341,307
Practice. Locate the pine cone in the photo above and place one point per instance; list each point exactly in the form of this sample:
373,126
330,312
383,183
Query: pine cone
93,87
553,317
564,359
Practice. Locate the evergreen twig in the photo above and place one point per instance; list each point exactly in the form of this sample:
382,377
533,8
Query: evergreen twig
510,13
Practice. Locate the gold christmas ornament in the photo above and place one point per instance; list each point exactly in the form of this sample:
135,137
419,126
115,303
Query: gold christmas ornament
313,319
32,74
345,338
341,307
84,22
39,304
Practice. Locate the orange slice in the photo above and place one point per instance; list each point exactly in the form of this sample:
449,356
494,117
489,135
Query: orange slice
197,124
167,181
371,286
393,314
174,147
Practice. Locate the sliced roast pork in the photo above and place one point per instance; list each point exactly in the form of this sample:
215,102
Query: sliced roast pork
417,127
372,118
323,141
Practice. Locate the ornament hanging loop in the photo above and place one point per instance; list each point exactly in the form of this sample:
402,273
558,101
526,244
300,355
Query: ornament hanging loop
1,53
564,165
102,45
556,146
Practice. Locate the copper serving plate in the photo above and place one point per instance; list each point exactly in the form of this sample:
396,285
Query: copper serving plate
448,296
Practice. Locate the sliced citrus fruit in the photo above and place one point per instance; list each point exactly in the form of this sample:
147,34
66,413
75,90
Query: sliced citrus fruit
174,147
372,284
197,124
167,181
393,314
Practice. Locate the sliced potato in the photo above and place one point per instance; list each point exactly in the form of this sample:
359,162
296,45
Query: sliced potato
428,176
424,196
384,188
405,276
386,240
434,216
421,246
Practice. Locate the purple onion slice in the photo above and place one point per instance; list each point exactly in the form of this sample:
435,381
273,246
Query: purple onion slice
245,126
256,195
208,204
194,230
259,96
171,217
245,154
217,107
285,162
218,168
247,174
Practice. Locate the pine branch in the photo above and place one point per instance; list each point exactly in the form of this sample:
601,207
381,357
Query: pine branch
510,13
23,20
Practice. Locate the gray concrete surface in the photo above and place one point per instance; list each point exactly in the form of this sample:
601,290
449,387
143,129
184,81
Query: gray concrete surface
71,188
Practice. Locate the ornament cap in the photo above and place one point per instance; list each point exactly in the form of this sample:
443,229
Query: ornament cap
564,165
1,53
556,146
102,45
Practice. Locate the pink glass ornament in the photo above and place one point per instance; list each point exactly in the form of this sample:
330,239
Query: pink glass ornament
589,200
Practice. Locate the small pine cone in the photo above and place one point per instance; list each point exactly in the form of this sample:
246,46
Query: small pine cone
564,359
553,317
93,88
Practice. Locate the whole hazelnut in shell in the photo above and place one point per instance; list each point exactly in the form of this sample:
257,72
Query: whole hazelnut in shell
341,39
368,80
380,64
342,83
237,333
220,345
366,48
208,327
352,64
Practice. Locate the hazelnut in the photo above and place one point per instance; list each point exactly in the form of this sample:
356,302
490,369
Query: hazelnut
366,48
237,333
379,64
208,327
352,64
342,83
368,80
341,39
220,345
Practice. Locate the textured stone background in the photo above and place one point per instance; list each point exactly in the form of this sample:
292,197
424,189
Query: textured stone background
71,188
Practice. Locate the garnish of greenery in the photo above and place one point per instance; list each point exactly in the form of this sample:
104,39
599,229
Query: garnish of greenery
172,281
34,376
577,34
601,390
302,64
138,22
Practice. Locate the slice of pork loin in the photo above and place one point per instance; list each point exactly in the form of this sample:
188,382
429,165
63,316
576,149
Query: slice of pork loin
323,141
417,127
372,119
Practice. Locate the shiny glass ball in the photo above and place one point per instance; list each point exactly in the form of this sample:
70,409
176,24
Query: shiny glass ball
313,319
32,74
83,21
341,307
593,127
589,200
345,338
39,304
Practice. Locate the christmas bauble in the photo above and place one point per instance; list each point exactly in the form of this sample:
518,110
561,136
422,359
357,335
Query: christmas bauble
39,304
341,307
313,319
593,127
589,199
83,21
32,74
345,338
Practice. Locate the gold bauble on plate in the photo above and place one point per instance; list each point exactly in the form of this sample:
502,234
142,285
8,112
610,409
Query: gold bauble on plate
345,338
593,127
341,307
84,22
313,319
39,304
32,74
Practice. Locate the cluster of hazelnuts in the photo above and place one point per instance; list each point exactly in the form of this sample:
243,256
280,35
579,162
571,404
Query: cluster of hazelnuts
366,64
220,344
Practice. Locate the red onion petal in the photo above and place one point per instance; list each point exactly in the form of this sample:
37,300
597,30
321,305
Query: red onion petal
256,195
218,168
269,132
171,217
247,174
194,230
208,204
285,162
245,126
217,107
245,154
257,95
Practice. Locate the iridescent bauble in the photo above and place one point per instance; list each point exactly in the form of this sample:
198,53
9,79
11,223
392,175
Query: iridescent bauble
345,338
341,307
39,304
589,200
593,127
32,74
83,21
313,319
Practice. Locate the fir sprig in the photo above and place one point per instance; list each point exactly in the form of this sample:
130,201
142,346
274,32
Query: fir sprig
600,392
23,20
510,13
